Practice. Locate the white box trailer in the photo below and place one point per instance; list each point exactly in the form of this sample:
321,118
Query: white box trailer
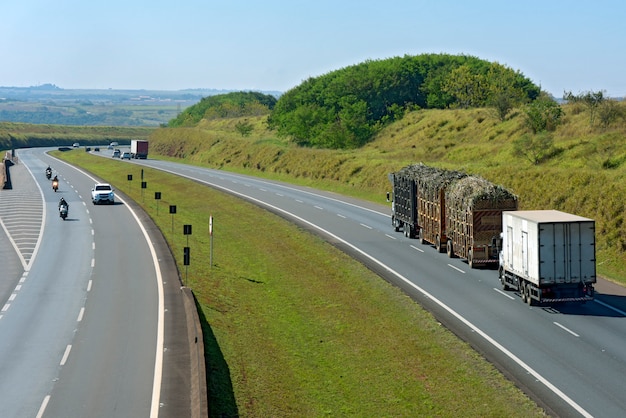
548,255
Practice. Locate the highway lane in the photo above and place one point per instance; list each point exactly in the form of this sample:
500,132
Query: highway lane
81,333
569,357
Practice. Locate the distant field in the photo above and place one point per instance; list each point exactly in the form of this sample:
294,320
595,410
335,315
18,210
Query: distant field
86,113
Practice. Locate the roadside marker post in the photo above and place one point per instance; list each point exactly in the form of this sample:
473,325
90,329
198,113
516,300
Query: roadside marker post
211,242
157,197
144,185
172,212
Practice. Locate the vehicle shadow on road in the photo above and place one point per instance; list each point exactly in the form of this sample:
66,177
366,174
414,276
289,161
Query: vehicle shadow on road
116,203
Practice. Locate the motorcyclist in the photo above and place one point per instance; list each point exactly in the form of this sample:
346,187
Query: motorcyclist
48,172
55,179
62,202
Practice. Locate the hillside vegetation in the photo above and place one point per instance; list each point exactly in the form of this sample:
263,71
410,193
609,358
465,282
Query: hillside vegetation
583,170
347,107
235,104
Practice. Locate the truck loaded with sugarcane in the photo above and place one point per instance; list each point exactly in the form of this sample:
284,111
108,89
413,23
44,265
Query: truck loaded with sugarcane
458,213
545,255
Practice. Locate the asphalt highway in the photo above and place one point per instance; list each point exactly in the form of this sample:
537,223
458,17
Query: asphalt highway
568,357
83,324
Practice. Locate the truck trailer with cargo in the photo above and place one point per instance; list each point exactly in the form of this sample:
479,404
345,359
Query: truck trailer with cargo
431,205
548,256
457,213
474,209
139,148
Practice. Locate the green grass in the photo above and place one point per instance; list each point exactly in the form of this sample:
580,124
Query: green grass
295,328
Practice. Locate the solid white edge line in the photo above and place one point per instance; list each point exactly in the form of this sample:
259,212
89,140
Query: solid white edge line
158,360
458,316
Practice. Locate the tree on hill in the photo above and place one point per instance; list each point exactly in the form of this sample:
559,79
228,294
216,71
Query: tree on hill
345,108
591,99
544,114
229,105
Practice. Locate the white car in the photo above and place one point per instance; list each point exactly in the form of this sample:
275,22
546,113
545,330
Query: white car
126,156
102,193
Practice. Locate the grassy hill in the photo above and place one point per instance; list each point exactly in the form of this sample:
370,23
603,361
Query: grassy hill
585,175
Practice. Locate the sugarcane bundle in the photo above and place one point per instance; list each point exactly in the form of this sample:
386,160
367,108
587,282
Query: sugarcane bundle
474,192
430,180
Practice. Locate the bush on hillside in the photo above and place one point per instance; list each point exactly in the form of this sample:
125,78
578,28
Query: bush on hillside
345,108
230,105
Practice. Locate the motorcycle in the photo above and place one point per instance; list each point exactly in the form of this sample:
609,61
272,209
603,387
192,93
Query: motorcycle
48,173
63,210
55,185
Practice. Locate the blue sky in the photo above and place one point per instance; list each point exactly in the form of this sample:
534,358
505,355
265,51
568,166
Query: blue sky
276,44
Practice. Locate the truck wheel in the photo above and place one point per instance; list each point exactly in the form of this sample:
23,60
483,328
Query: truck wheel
395,223
421,236
438,245
407,230
529,299
503,283
470,259
449,249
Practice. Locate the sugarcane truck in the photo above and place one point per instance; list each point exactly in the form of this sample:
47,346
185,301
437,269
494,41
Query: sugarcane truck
412,204
548,256
404,204
431,203
457,213
474,209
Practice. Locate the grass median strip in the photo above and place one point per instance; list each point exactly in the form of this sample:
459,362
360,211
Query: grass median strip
294,327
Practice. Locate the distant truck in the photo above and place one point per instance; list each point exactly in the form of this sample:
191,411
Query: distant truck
548,255
138,149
